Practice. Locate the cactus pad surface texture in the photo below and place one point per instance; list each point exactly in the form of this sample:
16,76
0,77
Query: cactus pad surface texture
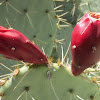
49,24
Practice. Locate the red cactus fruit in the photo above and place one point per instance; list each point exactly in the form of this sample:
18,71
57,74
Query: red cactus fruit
85,43
14,45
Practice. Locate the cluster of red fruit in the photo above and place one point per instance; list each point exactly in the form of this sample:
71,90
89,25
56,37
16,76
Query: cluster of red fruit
85,45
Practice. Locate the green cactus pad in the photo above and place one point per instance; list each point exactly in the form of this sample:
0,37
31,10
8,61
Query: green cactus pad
43,83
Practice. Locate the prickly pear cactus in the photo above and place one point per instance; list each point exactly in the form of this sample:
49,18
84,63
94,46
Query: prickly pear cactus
37,20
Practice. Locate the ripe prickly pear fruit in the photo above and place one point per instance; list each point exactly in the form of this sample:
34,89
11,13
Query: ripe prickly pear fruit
85,43
14,45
